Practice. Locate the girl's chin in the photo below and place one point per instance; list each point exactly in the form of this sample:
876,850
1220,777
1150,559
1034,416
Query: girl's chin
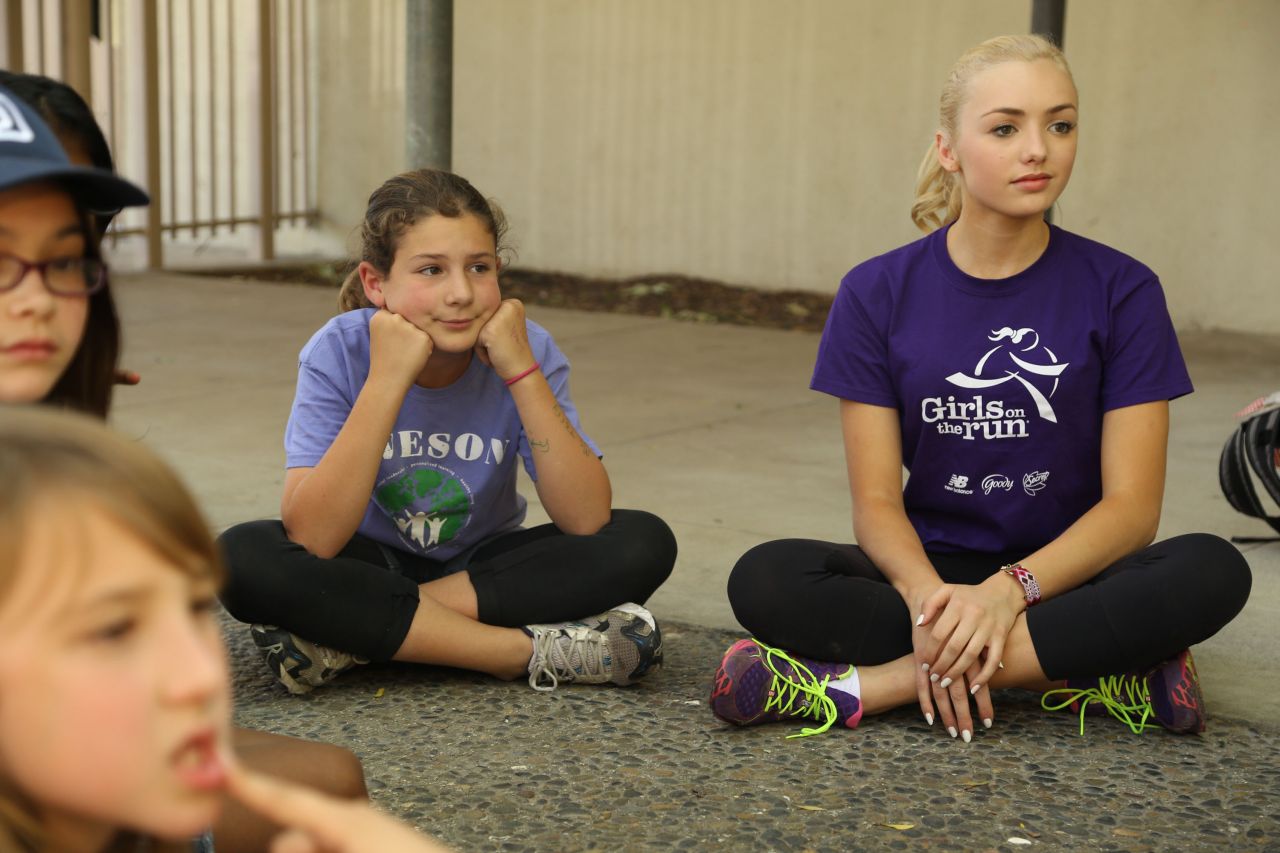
453,345
186,819
31,388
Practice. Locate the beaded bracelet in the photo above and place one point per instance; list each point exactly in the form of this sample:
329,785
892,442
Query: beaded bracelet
514,379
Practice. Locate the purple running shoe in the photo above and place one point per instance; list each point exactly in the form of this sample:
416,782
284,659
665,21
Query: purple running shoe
1167,694
757,683
1176,699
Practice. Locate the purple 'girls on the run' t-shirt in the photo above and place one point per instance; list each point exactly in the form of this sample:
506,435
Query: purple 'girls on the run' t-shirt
1000,385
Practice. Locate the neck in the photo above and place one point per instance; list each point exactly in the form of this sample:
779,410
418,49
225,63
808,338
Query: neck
444,368
72,834
996,247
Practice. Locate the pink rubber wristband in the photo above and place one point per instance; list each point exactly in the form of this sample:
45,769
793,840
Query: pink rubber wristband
514,379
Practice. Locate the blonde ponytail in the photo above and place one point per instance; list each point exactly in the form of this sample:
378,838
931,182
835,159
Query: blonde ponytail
938,196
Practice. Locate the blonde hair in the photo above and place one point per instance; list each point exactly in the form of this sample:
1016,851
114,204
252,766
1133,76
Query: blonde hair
938,197
46,452
404,200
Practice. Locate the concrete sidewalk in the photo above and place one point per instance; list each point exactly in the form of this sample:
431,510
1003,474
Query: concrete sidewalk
711,427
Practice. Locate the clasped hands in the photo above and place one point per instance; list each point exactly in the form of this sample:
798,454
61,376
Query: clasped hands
959,637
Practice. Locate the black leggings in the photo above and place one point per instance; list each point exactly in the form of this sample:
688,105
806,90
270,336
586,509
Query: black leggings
829,602
363,600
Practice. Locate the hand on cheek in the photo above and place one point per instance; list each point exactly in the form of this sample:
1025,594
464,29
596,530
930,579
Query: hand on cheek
503,343
398,350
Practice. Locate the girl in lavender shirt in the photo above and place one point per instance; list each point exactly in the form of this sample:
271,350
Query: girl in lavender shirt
400,535
1022,374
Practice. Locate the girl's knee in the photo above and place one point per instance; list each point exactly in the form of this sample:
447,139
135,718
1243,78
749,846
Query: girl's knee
753,580
650,546
244,549
1229,575
1212,579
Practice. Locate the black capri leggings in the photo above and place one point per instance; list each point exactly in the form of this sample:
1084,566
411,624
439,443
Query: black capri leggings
829,602
363,599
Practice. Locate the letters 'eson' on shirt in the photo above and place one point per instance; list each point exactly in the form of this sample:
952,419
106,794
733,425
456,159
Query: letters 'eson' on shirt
1000,385
447,480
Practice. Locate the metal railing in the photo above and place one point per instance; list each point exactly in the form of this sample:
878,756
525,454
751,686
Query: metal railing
207,103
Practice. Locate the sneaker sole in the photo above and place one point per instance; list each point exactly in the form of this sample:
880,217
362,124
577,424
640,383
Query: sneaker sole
271,641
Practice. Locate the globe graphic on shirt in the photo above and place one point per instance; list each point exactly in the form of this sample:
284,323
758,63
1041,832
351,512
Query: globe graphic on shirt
429,506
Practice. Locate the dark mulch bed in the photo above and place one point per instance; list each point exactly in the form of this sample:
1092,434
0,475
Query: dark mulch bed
670,295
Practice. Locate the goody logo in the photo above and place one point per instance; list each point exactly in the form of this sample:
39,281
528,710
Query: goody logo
991,482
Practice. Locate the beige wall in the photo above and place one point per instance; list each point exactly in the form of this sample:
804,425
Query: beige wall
1180,121
775,144
761,143
360,111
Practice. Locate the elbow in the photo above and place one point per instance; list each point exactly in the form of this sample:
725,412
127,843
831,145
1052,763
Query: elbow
586,524
1150,529
312,541
1145,525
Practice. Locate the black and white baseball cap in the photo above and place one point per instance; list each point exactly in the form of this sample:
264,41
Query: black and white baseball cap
29,151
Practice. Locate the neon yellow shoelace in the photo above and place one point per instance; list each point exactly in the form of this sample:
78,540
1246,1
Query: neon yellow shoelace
1125,697
809,691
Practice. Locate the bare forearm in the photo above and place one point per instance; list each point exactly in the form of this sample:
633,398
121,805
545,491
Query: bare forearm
885,533
324,510
1115,527
572,482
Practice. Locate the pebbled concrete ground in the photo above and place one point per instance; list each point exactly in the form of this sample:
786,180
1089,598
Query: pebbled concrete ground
488,765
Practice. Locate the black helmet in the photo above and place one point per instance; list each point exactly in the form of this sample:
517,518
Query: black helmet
1255,447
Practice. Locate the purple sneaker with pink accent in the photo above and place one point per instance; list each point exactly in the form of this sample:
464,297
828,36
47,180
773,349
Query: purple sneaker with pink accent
1176,698
1167,694
757,683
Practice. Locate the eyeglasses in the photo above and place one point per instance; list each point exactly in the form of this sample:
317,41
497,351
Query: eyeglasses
69,276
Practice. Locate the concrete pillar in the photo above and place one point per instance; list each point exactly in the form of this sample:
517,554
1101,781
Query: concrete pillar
429,84
1048,18
77,19
13,59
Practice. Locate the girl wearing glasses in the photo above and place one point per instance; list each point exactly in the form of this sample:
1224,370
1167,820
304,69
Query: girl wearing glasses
60,338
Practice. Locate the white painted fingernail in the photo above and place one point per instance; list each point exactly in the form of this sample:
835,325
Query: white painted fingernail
974,689
946,682
1001,664
928,718
967,737
986,723
933,677
925,667
920,620
951,730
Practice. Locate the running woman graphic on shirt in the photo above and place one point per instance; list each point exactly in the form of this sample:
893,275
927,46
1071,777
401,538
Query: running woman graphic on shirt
990,419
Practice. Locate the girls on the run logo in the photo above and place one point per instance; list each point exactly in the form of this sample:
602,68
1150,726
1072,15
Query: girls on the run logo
990,419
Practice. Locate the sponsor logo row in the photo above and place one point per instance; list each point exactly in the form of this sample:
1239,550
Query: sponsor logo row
1032,483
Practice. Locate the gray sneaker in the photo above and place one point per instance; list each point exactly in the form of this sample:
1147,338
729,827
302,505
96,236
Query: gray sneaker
618,647
300,665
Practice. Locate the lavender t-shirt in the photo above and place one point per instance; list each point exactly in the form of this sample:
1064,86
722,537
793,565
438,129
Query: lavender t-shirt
447,480
1000,385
